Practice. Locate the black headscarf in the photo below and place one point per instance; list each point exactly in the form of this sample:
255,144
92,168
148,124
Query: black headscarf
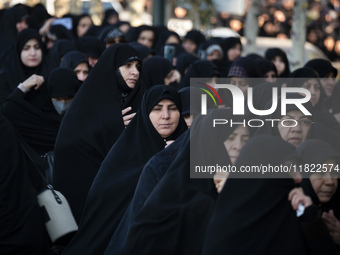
90,46
322,67
199,69
155,69
143,51
254,216
62,82
8,32
16,72
321,113
161,39
175,222
22,229
229,43
40,128
75,23
134,32
243,67
272,53
58,50
184,60
196,36
119,173
316,151
263,66
92,125
107,14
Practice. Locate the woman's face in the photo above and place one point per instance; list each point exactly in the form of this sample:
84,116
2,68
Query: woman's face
84,24
233,145
189,46
146,37
31,53
294,135
241,83
173,76
234,52
324,184
164,116
21,25
328,83
279,64
270,77
235,142
82,70
313,87
130,72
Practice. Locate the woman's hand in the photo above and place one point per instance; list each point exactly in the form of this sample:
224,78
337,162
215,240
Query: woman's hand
169,142
296,196
129,117
35,81
46,27
333,225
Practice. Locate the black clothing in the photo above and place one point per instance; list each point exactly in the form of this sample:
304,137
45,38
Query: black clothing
272,53
91,126
16,72
22,229
115,183
155,69
184,60
58,50
174,222
254,216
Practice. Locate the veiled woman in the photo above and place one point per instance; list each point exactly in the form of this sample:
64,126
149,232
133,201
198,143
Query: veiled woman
157,123
94,122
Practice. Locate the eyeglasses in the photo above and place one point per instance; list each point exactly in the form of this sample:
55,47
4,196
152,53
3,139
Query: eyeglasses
293,123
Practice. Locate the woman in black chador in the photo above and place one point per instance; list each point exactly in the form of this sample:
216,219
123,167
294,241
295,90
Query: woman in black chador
170,210
254,215
157,123
22,229
94,122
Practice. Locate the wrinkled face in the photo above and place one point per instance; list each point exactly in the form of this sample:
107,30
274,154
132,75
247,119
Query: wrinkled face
173,76
241,83
82,70
235,142
294,135
189,46
130,72
31,53
328,83
164,116
326,183
84,24
234,52
270,77
314,88
279,64
21,25
146,38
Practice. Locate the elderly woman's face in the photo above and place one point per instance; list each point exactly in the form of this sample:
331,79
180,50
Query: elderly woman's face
31,53
130,72
294,132
326,183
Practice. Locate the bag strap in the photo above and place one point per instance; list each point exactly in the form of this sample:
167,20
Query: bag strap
48,185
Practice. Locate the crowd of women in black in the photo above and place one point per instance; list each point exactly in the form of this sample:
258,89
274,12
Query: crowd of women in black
115,116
